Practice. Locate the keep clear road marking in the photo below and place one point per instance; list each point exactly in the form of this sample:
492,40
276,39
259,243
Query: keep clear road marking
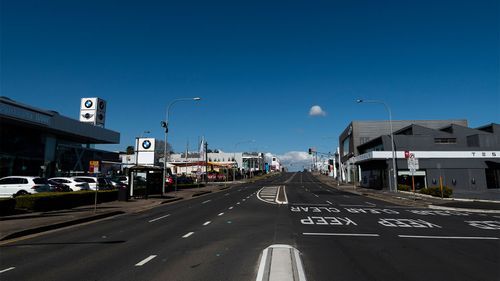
206,223
188,234
8,269
342,234
162,217
450,237
204,202
146,260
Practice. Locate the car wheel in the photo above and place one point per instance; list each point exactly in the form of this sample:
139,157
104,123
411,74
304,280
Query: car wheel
20,193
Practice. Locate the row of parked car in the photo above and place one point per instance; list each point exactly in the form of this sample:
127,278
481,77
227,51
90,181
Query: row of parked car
21,185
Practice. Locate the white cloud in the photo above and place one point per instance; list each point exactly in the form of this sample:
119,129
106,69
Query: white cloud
316,110
295,160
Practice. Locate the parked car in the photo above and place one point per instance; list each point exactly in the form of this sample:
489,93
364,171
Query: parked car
116,184
99,183
122,179
20,185
57,186
72,183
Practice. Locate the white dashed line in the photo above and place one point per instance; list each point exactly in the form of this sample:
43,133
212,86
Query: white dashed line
162,217
206,223
329,202
188,234
449,237
230,208
226,194
342,234
146,260
204,202
220,214
316,195
238,203
8,269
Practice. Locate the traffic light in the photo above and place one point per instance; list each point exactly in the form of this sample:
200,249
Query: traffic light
310,151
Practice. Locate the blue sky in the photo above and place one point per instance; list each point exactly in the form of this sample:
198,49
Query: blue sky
258,65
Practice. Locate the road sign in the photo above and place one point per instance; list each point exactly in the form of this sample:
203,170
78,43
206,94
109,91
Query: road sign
412,164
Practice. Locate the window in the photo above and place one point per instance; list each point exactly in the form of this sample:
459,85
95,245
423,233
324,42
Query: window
445,140
39,181
345,146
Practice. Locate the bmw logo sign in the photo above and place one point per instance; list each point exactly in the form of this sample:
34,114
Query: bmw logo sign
88,103
146,144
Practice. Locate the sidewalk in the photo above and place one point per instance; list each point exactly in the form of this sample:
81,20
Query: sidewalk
418,200
16,226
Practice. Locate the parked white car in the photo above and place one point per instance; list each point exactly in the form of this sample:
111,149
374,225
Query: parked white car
73,184
20,185
95,182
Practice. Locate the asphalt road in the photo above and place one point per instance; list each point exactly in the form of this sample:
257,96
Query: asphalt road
221,236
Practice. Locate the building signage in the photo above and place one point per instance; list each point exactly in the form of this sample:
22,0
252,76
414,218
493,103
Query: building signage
94,167
24,114
93,110
145,149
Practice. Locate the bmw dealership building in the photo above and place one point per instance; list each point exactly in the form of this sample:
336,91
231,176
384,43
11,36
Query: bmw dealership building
39,142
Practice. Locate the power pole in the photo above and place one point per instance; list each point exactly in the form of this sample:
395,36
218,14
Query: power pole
206,163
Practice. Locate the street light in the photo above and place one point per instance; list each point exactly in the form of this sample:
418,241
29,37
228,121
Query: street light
394,172
164,124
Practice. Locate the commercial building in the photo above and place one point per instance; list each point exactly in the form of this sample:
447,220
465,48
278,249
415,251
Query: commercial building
38,142
462,158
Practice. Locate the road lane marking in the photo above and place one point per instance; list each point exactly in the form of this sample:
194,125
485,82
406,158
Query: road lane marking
7,269
204,202
188,234
226,194
329,202
162,217
316,195
206,223
341,234
146,260
449,237
220,214
230,208
369,203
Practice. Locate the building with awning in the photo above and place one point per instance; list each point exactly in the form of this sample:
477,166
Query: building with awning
39,142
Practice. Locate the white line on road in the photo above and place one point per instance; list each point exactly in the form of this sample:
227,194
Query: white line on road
7,269
206,223
230,208
238,203
204,202
450,237
342,234
369,203
146,260
329,202
162,217
188,234
220,214
226,194
316,195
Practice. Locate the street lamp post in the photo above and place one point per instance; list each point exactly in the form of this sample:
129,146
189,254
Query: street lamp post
394,172
165,125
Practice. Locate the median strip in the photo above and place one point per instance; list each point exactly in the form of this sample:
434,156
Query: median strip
280,263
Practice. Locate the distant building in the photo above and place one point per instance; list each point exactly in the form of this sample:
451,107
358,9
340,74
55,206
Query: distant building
464,159
38,142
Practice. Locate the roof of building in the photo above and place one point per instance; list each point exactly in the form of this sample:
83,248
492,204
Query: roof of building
55,123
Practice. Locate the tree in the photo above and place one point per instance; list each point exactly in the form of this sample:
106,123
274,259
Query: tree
130,150
159,148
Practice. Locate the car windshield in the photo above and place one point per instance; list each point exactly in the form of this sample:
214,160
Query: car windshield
40,181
